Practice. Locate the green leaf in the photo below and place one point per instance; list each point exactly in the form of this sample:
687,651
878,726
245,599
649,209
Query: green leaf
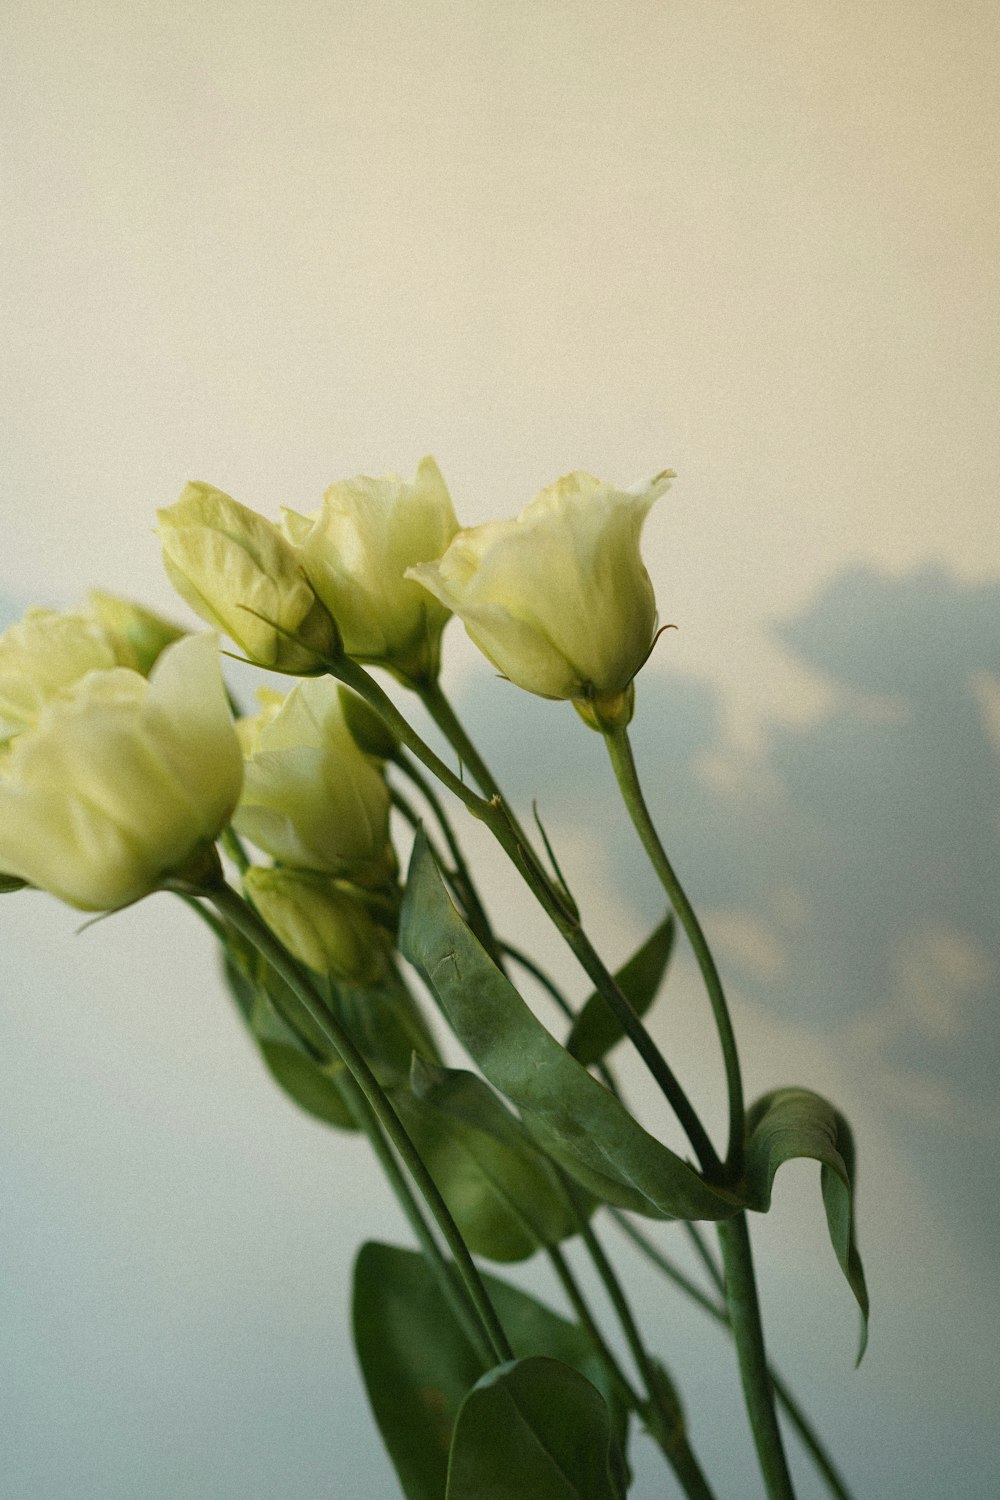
596,1029
418,1365
532,1427
504,1194
572,1116
11,883
791,1123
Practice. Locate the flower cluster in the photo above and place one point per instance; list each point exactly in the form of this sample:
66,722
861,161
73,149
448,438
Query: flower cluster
120,759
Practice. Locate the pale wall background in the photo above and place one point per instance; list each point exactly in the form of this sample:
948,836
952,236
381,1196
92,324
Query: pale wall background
274,245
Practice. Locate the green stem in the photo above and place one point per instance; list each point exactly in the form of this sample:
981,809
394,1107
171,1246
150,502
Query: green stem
244,919
443,1271
623,761
758,1392
474,909
586,1319
672,1272
444,716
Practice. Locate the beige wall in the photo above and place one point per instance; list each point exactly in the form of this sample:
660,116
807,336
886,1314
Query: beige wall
273,245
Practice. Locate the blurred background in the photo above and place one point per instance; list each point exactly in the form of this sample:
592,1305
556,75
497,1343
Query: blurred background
271,246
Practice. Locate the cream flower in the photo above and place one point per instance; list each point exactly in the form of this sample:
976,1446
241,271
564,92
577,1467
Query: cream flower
311,799
238,572
558,599
46,652
121,782
356,550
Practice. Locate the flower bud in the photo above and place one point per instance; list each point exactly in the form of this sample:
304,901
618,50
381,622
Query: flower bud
321,924
356,551
238,572
121,782
558,599
311,798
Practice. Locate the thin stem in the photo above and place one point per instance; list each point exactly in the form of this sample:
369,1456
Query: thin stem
623,761
474,909
586,1319
758,1392
444,716
442,1270
244,919
808,1435
704,1252
662,1263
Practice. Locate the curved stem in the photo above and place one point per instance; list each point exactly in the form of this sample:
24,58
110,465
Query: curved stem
758,1392
623,761
233,909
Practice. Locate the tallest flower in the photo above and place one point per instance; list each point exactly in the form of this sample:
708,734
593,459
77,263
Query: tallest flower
558,598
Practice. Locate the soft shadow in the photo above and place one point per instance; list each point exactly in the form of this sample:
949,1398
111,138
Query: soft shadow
850,873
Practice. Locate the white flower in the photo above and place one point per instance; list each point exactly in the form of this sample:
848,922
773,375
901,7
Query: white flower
356,550
121,781
558,599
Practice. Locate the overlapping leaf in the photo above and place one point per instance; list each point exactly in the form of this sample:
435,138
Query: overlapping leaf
418,1365
532,1427
572,1116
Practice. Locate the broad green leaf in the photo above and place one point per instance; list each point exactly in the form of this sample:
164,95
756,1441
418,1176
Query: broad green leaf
572,1116
10,883
596,1029
790,1123
418,1365
503,1192
532,1427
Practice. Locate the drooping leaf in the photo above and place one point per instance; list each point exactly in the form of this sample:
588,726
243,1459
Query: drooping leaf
791,1123
532,1427
503,1192
418,1365
596,1028
572,1116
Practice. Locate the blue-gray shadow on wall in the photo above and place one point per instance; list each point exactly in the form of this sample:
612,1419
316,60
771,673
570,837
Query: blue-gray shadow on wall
862,848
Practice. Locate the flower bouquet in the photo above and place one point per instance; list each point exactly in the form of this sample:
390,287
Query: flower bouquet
127,768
